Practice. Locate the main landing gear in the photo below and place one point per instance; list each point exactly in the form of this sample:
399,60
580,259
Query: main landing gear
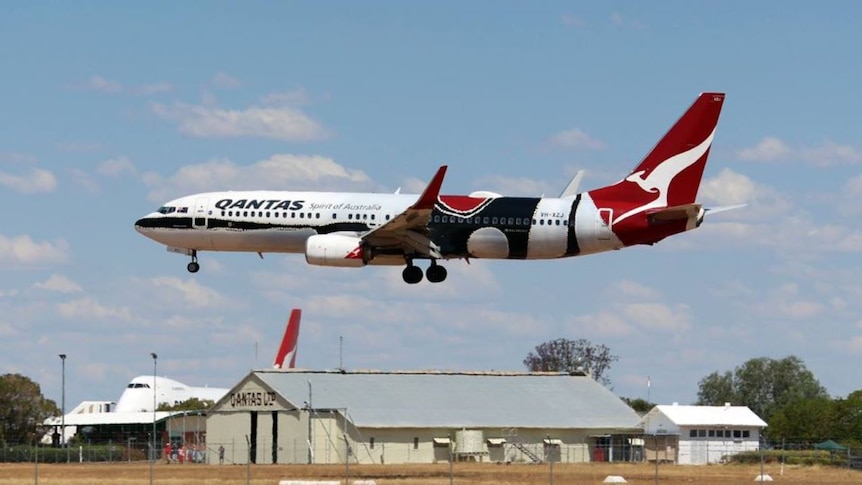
193,267
413,274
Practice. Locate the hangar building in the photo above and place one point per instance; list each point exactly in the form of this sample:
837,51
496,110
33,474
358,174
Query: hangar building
299,416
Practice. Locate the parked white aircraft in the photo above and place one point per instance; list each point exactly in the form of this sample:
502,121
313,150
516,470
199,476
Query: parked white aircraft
138,395
655,201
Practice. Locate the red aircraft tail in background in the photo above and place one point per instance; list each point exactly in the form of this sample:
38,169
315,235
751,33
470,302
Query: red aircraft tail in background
289,343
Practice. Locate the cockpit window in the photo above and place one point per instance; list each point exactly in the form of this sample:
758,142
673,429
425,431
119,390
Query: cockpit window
138,385
167,210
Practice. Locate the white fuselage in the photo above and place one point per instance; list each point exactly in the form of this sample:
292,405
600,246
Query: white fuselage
281,221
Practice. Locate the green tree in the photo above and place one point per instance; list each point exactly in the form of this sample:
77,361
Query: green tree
23,408
763,384
807,420
640,405
564,355
191,404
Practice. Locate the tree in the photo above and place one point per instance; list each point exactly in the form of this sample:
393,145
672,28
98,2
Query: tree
23,408
564,355
191,404
639,405
763,384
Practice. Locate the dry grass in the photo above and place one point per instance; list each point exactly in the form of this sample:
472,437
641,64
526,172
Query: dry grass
464,474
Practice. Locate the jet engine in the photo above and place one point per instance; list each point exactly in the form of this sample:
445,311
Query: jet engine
335,250
488,242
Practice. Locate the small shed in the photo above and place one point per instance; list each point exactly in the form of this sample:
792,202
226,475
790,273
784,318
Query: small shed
698,435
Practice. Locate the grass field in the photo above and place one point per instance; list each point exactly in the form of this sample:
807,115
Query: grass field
464,474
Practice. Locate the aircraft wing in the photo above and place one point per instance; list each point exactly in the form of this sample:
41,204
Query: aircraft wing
408,230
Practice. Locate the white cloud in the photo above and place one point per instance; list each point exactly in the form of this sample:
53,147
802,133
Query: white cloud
572,20
23,250
80,146
187,291
575,139
830,154
223,80
731,188
85,180
632,290
827,154
59,283
115,167
102,85
154,88
658,316
282,123
37,181
294,97
768,149
89,309
279,172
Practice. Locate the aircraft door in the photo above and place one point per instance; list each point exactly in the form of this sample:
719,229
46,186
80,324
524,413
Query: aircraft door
603,229
199,218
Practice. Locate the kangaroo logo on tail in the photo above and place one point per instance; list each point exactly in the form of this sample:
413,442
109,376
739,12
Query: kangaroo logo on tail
660,178
670,174
289,343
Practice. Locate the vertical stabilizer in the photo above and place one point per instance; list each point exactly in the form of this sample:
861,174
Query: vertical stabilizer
286,356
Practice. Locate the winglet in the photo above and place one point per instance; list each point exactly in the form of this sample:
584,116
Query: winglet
571,190
429,195
289,342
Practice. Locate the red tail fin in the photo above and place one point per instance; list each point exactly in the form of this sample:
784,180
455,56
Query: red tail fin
670,175
289,342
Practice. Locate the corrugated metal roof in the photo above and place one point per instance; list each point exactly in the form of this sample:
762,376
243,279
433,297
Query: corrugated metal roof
441,399
711,415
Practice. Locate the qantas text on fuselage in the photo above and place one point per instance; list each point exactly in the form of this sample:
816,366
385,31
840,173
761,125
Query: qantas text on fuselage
339,229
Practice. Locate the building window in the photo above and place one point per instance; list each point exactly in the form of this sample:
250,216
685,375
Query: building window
746,433
371,442
737,433
415,443
692,433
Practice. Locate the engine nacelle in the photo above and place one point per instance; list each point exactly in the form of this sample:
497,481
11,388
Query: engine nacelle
488,242
335,250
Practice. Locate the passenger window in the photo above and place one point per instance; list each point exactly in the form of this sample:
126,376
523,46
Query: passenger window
485,220
387,217
511,221
333,216
557,222
494,221
541,222
317,216
444,219
245,213
364,216
302,215
267,213
293,215
350,216
372,217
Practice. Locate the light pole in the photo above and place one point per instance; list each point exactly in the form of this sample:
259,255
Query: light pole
63,402
153,446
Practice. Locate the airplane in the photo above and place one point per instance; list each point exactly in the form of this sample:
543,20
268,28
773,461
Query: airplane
138,396
335,229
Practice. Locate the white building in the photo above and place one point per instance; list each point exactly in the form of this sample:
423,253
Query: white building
697,435
294,416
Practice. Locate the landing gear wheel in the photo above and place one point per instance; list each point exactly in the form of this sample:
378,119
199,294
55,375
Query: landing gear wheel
193,267
412,274
435,274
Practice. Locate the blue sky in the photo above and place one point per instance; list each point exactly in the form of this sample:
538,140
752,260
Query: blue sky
109,109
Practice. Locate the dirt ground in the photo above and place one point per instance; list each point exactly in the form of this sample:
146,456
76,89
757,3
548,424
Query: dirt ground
464,474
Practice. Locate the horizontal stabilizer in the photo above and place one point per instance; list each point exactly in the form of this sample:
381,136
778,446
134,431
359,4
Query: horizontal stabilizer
724,208
675,213
571,190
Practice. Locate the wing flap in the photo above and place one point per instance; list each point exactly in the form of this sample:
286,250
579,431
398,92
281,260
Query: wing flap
409,229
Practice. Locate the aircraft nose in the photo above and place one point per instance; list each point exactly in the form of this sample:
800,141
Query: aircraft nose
144,223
